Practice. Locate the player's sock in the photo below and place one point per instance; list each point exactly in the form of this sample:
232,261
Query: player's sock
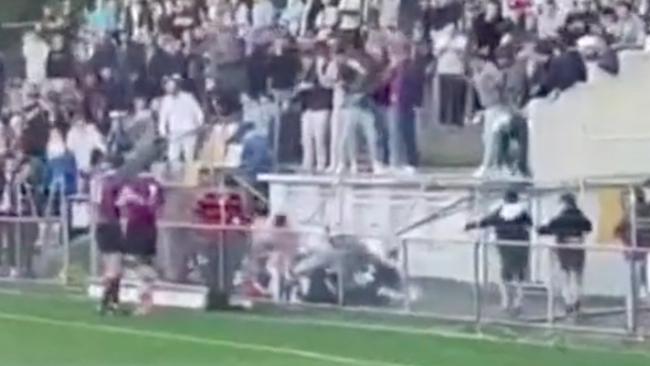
115,292
106,294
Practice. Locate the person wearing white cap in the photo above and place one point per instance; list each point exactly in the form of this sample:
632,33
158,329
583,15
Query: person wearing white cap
180,114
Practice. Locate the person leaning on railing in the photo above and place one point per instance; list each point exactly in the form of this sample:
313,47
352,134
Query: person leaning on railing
641,225
512,224
569,228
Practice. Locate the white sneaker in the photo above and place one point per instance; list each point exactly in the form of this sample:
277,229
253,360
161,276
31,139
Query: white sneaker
378,168
409,170
643,294
336,170
414,292
481,172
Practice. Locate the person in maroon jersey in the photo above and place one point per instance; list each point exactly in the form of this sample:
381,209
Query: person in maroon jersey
104,190
140,200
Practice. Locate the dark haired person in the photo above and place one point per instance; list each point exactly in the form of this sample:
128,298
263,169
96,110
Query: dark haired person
569,227
140,199
639,260
512,223
104,192
629,29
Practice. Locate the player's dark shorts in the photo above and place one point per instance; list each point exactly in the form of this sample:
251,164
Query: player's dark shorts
140,242
110,239
571,260
514,263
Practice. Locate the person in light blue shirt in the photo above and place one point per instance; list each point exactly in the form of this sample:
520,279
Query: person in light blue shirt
103,18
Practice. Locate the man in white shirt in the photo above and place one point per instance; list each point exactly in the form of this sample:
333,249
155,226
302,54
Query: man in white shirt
180,116
350,21
629,30
263,14
351,12
35,51
389,13
82,140
327,18
550,20
450,49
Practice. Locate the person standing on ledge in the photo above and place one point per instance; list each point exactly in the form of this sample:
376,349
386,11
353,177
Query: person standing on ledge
180,115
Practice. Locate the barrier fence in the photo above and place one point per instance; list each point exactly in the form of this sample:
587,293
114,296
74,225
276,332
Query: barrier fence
440,278
34,249
445,279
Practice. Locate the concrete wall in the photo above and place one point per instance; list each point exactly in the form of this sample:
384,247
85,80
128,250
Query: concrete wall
593,129
601,128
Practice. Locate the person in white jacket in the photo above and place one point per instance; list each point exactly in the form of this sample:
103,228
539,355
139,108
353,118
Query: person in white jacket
82,140
263,14
180,116
35,51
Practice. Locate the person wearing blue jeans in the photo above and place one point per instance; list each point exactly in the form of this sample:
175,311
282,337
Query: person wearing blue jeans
355,117
406,90
359,119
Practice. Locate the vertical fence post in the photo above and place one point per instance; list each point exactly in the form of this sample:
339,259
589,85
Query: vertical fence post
18,230
478,246
4,245
340,293
539,253
221,262
536,253
93,234
550,288
65,213
632,320
407,275
478,296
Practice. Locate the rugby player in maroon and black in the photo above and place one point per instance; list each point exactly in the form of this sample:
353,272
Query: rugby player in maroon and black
140,200
104,189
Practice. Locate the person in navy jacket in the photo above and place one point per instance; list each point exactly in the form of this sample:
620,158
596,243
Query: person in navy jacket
569,227
512,223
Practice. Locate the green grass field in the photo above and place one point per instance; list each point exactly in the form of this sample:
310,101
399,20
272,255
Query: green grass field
59,330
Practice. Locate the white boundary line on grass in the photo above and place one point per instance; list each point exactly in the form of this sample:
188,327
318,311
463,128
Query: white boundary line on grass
424,331
397,329
109,329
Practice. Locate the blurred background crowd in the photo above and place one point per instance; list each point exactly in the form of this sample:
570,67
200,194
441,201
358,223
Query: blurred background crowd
311,85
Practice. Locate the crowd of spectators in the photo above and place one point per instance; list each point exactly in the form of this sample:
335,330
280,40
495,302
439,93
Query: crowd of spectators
322,73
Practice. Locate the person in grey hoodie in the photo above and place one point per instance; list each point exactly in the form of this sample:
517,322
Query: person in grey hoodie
488,83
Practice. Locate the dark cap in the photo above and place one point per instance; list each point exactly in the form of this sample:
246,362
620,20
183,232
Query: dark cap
511,196
569,199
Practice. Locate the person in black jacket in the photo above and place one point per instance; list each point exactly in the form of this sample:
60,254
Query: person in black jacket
569,228
60,62
561,67
512,224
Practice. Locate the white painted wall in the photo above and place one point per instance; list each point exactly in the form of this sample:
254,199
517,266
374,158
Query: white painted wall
601,128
